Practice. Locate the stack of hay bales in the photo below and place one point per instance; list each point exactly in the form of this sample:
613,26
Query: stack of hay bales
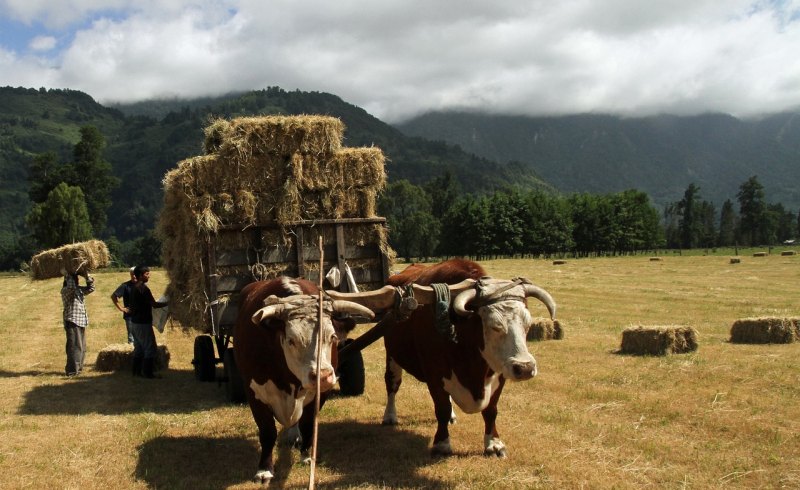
76,258
766,330
118,357
658,340
545,329
269,171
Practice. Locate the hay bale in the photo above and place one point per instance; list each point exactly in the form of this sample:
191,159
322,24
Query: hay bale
74,258
760,254
545,329
658,340
119,357
787,253
765,330
268,171
559,262
735,260
655,259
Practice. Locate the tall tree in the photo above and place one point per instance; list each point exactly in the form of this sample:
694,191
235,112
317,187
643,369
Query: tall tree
752,212
689,223
44,173
548,227
727,225
61,218
94,176
412,227
444,190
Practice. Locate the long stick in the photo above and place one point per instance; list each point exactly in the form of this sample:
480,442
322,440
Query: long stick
319,360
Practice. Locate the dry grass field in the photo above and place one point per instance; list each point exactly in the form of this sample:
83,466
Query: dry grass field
725,416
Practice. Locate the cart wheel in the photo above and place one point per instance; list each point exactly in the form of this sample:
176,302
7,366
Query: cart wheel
234,386
351,373
204,361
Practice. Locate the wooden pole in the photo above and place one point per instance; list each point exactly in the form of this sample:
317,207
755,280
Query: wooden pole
319,360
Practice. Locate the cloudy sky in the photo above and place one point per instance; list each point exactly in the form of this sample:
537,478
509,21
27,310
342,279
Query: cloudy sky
398,58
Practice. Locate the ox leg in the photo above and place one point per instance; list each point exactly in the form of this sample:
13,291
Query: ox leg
443,409
306,426
267,435
393,378
492,445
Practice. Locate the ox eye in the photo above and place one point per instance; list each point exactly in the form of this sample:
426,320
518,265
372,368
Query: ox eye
291,342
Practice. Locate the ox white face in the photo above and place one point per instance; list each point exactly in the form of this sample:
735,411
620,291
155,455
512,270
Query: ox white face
505,327
299,345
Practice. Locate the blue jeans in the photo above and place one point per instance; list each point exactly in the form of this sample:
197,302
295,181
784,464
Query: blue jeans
144,341
128,327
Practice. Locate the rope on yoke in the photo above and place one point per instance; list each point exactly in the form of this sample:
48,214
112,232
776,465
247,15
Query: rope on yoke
441,313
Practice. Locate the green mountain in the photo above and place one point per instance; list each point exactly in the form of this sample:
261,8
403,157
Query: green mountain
145,140
660,155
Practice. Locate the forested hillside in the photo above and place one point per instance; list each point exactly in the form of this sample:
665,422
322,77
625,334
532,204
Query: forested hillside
143,141
659,155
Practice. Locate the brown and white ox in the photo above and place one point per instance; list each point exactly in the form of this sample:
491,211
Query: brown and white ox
491,321
275,340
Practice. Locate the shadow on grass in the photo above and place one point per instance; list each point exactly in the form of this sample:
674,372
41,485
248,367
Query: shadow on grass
120,393
196,462
364,454
31,373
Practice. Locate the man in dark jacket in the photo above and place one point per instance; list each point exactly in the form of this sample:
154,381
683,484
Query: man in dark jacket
144,339
124,291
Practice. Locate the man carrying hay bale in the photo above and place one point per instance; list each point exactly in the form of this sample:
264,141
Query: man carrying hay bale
75,320
144,339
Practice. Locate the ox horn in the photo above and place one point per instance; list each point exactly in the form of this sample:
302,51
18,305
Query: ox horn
353,308
460,302
267,312
543,296
425,295
377,300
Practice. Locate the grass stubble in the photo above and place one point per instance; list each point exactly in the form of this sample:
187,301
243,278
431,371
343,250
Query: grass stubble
725,416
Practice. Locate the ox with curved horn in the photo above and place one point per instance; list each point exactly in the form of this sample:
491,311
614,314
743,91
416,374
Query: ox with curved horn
488,291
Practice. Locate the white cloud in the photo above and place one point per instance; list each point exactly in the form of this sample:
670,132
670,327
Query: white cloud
398,58
43,43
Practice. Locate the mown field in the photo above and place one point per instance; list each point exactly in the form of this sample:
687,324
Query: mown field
725,416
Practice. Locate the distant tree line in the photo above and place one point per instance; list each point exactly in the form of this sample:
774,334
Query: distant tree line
71,201
438,220
694,223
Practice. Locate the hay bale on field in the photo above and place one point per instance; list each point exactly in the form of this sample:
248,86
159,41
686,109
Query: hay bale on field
74,258
655,259
545,329
760,254
270,171
559,262
735,260
787,253
658,340
765,330
119,357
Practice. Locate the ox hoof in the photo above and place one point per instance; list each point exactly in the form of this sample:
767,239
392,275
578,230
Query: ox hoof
389,422
500,453
263,476
494,447
305,457
442,449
